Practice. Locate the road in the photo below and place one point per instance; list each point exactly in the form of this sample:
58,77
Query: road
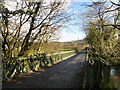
66,74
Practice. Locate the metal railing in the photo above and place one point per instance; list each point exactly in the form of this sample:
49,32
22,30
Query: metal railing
16,66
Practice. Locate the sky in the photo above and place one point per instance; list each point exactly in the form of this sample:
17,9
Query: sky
71,32
74,32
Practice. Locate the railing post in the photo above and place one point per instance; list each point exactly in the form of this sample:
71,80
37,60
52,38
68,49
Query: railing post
0,50
31,62
23,63
61,56
51,60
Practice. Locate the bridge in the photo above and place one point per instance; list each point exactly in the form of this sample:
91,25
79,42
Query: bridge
68,73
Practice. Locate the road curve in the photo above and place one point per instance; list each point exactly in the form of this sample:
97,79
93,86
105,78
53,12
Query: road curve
66,74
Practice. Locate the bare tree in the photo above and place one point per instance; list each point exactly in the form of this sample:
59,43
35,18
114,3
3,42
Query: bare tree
100,35
30,22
